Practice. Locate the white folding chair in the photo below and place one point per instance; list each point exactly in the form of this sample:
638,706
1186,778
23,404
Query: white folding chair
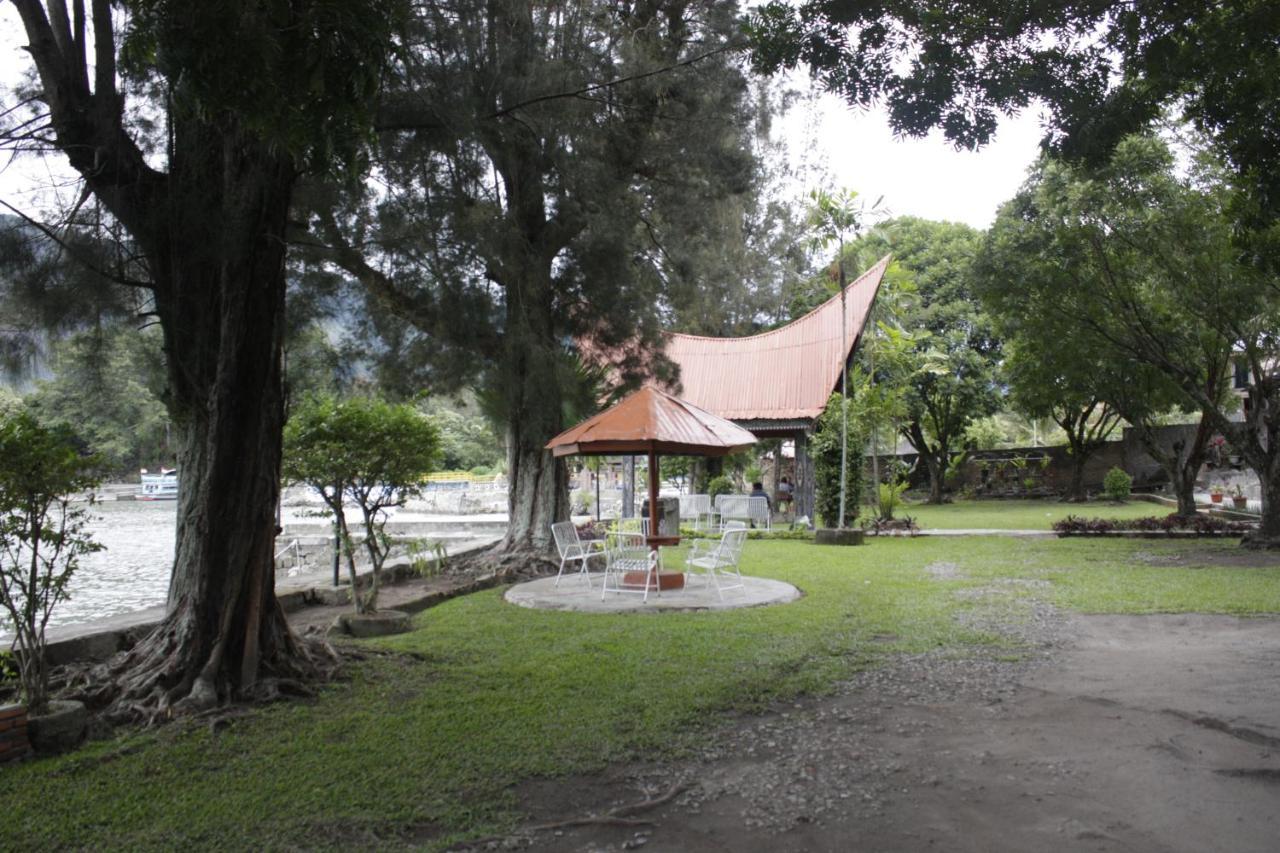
627,553
572,549
720,557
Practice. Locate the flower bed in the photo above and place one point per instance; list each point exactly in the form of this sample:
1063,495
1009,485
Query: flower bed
1172,524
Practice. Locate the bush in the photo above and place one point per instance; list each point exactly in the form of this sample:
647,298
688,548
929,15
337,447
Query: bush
890,498
1201,525
1117,484
368,452
42,535
720,486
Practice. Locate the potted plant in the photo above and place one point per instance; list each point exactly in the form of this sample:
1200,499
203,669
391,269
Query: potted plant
1238,497
42,538
1215,494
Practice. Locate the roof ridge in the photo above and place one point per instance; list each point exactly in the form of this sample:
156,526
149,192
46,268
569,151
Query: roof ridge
883,262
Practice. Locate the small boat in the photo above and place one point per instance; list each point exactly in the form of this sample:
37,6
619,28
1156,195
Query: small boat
159,487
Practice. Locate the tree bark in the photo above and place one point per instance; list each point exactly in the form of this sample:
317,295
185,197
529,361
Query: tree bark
538,483
220,287
1076,491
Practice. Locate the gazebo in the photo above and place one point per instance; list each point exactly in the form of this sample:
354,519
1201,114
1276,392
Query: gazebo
776,384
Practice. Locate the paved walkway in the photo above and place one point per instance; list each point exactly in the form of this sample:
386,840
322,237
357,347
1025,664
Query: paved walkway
987,531
574,594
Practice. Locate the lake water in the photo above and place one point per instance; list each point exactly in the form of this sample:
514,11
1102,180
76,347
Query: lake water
132,572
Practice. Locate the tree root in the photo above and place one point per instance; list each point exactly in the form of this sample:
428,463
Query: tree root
620,816
159,679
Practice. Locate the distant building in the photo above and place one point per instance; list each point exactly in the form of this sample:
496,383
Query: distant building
776,384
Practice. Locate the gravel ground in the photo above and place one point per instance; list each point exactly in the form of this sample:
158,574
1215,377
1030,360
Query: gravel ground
1096,735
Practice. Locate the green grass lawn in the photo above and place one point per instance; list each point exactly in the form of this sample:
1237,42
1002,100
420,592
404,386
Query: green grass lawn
425,747
1021,515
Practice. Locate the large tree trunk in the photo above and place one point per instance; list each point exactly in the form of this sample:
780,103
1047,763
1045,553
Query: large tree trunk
1075,490
220,286
1265,461
538,490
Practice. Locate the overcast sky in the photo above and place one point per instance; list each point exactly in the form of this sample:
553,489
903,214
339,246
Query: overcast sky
920,177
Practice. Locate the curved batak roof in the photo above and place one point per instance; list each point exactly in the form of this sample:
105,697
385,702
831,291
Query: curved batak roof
652,420
784,374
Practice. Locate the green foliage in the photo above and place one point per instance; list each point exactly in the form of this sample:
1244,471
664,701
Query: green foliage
427,557
1126,260
467,439
373,453
303,76
42,534
825,451
939,352
890,498
720,486
107,384
955,66
1117,484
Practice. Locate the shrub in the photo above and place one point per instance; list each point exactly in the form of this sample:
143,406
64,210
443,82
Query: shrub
42,535
721,485
890,498
1116,484
1202,525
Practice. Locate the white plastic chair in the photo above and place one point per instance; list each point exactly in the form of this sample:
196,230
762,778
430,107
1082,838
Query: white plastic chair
572,548
720,557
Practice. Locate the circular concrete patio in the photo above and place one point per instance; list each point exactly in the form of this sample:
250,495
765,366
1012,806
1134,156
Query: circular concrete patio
573,594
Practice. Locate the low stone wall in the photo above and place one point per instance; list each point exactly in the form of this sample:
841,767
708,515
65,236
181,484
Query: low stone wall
121,635
990,473
13,733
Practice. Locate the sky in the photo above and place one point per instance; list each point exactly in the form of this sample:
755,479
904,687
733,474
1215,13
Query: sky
925,177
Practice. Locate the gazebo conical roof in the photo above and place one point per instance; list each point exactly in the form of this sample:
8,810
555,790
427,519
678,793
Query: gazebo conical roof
652,421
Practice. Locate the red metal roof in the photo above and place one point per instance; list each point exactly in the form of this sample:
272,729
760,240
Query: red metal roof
652,419
786,373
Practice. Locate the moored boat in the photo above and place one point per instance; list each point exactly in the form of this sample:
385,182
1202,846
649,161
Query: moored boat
159,487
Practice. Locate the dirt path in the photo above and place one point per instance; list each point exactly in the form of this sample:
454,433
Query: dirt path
1133,733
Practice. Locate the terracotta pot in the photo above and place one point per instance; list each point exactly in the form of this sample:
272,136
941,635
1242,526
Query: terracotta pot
1216,498
1241,503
